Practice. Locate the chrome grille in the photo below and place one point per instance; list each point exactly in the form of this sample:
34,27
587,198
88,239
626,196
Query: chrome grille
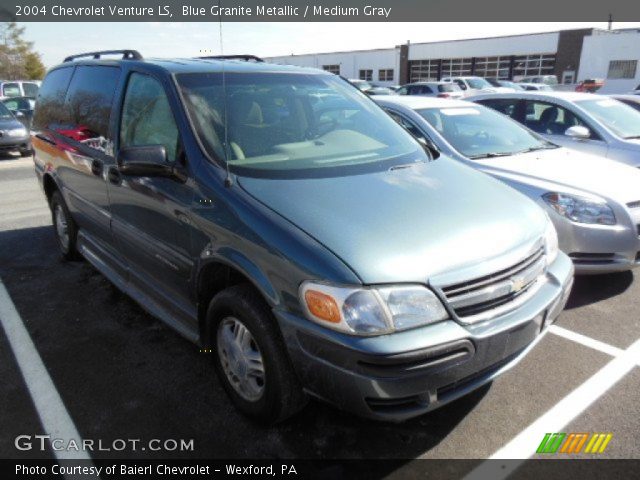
476,300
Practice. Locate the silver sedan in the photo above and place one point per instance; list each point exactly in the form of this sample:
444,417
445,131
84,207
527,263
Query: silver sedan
594,203
582,121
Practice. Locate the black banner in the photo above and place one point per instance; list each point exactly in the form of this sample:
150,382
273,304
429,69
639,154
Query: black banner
312,11
567,469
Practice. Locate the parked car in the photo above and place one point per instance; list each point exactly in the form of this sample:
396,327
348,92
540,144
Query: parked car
588,122
505,85
21,107
542,87
594,203
18,88
14,137
632,100
325,252
471,85
432,89
590,85
550,80
369,88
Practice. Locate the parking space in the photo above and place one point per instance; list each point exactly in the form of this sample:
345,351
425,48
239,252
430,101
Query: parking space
122,374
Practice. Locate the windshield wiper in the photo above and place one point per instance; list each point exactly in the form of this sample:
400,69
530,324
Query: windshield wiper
632,137
535,149
490,155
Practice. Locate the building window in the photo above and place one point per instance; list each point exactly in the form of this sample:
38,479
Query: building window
385,75
456,67
622,69
492,67
335,69
366,75
534,65
423,70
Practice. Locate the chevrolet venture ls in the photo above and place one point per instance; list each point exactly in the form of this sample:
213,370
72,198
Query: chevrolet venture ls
279,217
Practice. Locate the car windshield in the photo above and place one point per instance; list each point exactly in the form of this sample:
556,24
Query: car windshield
293,125
621,119
479,132
362,85
4,112
478,83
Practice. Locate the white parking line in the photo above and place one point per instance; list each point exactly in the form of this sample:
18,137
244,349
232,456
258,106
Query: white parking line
586,341
561,414
53,414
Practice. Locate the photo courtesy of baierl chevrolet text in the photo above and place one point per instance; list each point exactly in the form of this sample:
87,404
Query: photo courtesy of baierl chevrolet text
310,239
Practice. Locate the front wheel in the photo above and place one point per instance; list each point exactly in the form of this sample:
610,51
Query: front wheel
250,356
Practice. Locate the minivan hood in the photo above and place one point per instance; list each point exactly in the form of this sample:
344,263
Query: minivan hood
409,224
573,169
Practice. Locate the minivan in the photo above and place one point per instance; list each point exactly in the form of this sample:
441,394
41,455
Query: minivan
282,221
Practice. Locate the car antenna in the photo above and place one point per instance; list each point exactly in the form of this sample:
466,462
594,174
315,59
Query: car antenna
228,182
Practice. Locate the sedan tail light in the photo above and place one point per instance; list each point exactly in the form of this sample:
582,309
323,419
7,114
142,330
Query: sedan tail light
444,95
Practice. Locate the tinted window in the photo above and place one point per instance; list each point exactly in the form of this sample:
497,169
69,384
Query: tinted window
146,116
30,89
88,105
550,119
506,106
288,125
50,100
11,90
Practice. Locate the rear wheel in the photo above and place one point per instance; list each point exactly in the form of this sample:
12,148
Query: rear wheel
64,227
250,356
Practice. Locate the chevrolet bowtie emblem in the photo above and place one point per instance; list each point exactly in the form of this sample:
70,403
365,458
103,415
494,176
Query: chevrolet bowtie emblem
517,284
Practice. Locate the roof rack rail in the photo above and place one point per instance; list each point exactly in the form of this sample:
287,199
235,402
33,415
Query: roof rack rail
126,55
246,58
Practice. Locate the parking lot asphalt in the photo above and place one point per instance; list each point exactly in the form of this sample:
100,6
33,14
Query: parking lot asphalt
122,374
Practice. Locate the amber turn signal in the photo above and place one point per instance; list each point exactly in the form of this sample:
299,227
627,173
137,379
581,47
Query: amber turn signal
322,306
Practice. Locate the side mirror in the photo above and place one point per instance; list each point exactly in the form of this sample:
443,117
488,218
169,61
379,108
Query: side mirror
147,161
578,132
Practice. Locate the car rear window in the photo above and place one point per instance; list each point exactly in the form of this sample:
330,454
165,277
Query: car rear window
30,89
449,87
11,90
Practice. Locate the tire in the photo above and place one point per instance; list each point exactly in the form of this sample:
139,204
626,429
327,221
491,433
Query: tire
26,153
269,397
64,228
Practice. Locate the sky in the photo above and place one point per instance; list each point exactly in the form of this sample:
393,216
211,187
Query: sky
54,41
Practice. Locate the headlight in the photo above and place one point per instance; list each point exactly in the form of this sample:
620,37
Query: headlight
17,132
371,311
580,209
550,242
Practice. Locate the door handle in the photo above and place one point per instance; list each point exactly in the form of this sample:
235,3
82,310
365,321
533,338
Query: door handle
96,167
114,176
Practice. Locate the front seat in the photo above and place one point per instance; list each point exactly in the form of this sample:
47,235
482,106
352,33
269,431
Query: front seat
549,121
247,127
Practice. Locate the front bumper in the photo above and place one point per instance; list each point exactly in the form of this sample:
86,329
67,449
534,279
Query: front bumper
598,249
8,143
402,375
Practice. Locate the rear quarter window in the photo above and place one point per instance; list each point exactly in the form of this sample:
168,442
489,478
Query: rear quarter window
51,95
87,109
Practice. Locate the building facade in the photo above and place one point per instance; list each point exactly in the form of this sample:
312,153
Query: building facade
613,56
507,57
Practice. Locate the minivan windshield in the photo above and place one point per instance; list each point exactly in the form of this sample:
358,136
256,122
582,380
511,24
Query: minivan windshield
621,119
293,125
479,132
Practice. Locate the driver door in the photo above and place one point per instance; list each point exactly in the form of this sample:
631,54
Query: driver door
150,214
